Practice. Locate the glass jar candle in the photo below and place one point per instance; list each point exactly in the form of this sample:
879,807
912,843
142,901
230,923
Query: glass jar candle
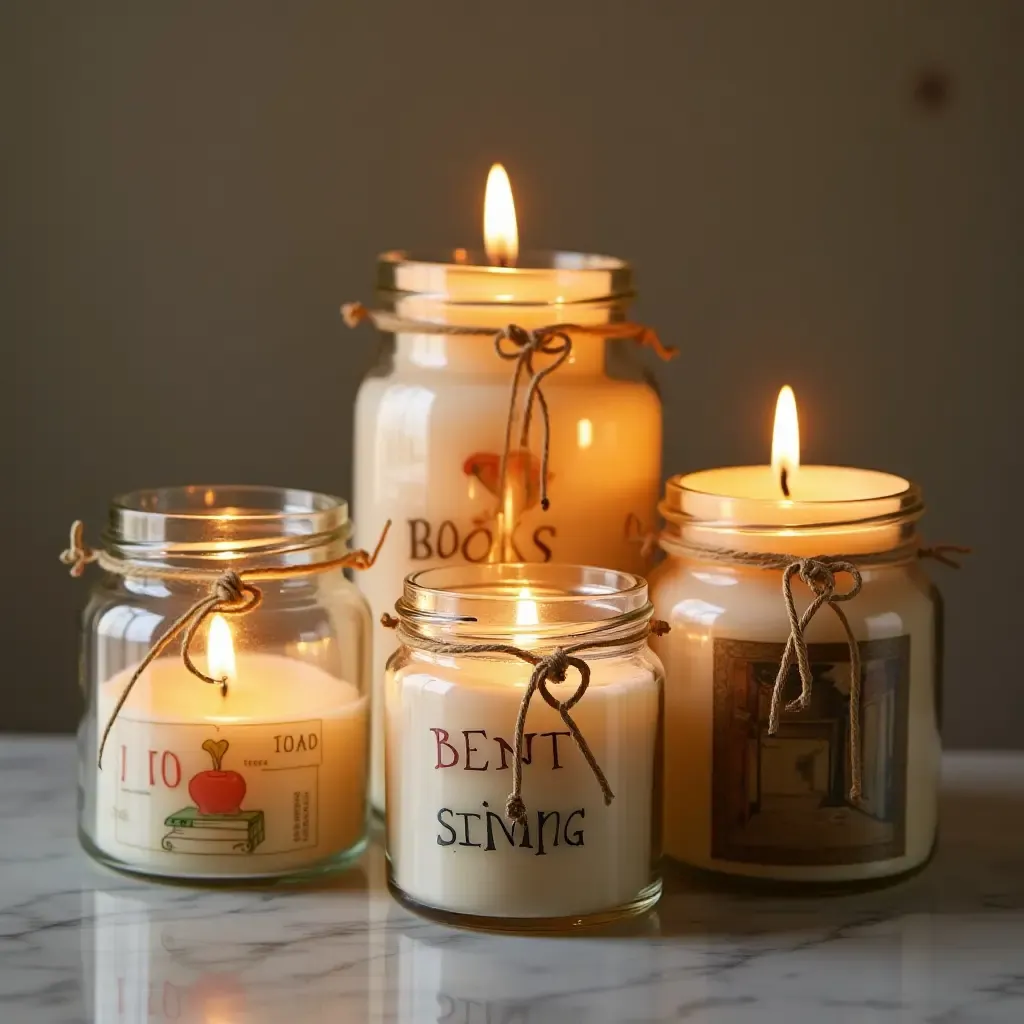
783,803
575,848
263,773
431,422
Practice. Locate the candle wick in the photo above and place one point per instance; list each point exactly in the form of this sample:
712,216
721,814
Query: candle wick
784,481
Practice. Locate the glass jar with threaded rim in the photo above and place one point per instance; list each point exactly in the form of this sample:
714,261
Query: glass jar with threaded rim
841,785
263,775
575,849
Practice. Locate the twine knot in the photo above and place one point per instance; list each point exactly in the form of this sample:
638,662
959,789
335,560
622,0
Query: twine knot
515,809
354,313
77,554
819,575
555,665
229,589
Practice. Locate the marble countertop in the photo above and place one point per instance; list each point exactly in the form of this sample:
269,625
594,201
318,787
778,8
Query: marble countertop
80,943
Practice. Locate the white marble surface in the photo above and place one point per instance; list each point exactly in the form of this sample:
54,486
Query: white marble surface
79,943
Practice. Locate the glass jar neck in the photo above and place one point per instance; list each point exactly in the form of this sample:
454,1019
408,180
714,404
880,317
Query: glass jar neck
531,607
476,355
219,527
463,289
879,524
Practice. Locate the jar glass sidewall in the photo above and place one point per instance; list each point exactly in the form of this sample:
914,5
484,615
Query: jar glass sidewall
450,750
729,782
278,764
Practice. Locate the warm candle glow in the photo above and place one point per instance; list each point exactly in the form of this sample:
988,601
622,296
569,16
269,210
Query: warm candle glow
585,433
526,610
220,650
785,437
501,237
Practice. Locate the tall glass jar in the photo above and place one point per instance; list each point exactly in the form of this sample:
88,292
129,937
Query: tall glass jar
454,846
431,421
741,799
266,776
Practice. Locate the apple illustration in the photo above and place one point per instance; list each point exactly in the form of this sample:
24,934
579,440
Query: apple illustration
217,792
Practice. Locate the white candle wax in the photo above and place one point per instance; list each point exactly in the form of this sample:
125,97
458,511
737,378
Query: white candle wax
736,799
278,786
744,506
450,733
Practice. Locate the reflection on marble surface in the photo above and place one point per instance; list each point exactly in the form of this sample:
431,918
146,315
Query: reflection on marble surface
79,943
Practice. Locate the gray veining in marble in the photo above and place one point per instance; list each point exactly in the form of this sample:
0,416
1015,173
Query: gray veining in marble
82,944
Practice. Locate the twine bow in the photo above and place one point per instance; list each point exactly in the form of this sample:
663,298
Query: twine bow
519,345
820,576
551,667
229,593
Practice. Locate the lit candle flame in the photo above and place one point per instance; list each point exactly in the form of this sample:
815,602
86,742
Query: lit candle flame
501,236
785,440
220,650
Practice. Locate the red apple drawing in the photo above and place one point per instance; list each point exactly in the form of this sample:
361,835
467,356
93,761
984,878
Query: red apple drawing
217,792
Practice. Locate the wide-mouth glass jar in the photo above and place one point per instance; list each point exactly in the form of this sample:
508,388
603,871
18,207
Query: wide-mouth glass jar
452,704
741,799
431,422
264,775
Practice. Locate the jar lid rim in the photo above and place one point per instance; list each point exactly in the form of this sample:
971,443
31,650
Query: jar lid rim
483,600
689,500
227,522
457,277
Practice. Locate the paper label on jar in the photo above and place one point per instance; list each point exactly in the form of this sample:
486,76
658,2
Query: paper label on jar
785,799
249,790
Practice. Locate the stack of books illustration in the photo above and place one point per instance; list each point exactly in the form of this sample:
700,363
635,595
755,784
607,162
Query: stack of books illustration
192,832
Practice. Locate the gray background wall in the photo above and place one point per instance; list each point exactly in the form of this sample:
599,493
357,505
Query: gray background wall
825,194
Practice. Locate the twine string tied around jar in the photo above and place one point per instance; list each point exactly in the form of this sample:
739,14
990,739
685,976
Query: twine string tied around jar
515,343
228,593
551,667
819,575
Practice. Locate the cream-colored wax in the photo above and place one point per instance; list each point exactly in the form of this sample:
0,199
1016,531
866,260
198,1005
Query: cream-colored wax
290,789
449,842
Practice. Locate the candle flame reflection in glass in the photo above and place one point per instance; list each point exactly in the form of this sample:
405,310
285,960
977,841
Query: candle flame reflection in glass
220,650
526,615
585,433
786,438
501,235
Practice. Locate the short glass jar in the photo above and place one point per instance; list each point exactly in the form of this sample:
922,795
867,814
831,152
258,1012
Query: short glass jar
268,777
740,800
452,717
431,421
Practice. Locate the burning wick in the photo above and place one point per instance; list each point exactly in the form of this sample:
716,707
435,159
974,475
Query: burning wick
785,438
501,236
